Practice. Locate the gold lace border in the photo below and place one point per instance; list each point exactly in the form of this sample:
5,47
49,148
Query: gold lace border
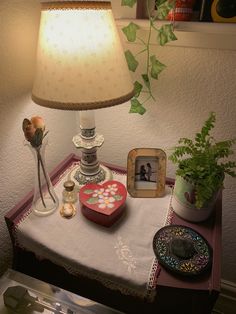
82,106
70,5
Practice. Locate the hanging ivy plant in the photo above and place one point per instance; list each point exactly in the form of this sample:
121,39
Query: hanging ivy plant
154,67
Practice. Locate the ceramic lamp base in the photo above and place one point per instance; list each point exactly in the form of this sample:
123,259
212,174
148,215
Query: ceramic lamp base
81,178
89,170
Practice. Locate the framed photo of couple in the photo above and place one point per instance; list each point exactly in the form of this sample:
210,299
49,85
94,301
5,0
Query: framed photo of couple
146,172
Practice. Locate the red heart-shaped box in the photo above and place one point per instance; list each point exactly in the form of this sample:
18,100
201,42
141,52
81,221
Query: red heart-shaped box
103,203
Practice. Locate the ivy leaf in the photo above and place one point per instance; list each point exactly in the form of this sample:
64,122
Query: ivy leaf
169,29
146,80
137,107
166,34
157,67
162,38
92,200
164,8
137,88
129,3
131,61
88,191
130,31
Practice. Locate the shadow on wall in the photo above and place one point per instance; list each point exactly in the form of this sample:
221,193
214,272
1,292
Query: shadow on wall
18,37
19,21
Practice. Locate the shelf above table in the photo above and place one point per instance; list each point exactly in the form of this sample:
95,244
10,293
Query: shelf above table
192,34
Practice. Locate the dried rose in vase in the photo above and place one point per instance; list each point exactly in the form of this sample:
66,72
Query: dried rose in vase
45,200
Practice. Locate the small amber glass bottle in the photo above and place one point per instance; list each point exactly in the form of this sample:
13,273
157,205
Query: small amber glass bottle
69,194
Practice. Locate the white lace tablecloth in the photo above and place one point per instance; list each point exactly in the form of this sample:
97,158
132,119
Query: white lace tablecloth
121,257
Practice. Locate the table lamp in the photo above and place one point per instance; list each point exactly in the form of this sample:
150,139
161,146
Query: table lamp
81,66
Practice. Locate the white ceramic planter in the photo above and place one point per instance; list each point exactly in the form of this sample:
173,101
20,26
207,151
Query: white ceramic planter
183,199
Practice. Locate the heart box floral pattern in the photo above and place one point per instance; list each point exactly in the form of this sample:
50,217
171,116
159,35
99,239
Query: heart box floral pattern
103,204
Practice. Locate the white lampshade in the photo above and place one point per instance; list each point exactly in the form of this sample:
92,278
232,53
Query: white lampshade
80,60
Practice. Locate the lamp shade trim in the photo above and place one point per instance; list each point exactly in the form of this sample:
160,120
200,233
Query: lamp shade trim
70,5
82,106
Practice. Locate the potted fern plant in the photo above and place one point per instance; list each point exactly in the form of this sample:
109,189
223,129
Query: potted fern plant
202,165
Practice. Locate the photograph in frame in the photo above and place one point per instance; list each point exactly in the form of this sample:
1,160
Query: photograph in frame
146,172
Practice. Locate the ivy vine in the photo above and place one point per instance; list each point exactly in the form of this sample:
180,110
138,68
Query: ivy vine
164,34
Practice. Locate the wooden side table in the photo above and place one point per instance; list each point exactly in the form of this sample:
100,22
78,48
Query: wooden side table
196,296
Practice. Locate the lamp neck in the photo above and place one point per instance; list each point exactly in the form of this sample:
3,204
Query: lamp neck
88,133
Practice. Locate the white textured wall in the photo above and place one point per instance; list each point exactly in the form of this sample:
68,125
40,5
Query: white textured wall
18,36
196,82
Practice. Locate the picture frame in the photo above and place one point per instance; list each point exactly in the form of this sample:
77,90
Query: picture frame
146,172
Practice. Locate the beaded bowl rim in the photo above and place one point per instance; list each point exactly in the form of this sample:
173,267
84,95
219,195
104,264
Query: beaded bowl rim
178,271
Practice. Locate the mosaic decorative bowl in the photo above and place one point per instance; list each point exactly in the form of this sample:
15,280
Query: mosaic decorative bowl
182,250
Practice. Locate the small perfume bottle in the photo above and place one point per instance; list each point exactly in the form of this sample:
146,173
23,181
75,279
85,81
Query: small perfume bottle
69,194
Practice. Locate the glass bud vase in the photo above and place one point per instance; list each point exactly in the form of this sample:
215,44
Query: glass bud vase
45,200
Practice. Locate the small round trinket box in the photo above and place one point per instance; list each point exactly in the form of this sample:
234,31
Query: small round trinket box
68,210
